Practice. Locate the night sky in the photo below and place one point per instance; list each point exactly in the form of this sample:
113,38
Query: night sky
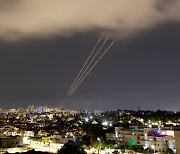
139,70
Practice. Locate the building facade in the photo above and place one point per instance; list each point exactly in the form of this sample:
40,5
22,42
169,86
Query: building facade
177,140
146,137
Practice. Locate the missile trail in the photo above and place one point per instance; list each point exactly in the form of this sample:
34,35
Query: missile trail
89,64
74,89
86,62
92,67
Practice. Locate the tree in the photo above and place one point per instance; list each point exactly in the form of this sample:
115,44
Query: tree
86,140
110,144
71,148
31,152
169,151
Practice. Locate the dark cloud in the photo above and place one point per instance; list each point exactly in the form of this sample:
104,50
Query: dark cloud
22,19
163,5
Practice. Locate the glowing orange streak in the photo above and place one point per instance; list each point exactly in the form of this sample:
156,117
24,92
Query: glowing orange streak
93,66
86,62
89,65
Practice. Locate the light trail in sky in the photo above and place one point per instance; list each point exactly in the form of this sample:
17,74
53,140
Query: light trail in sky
88,66
85,64
82,79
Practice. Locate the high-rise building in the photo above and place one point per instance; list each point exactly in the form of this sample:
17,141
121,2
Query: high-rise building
31,108
39,109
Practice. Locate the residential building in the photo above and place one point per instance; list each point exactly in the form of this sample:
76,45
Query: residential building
146,137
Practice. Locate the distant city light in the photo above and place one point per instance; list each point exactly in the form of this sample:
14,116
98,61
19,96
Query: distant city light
86,119
105,123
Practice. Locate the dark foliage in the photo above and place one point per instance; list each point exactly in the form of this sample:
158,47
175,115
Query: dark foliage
71,148
32,152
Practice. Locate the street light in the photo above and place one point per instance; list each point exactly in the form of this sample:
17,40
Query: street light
100,143
153,147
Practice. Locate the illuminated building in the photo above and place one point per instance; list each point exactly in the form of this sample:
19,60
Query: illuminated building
146,137
31,108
